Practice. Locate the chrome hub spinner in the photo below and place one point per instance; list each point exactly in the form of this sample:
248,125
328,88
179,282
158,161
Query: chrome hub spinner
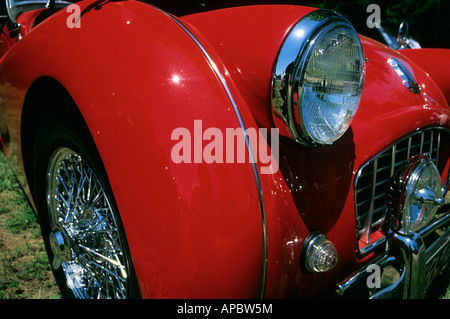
60,248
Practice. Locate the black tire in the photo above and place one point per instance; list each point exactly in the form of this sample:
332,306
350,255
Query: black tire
83,235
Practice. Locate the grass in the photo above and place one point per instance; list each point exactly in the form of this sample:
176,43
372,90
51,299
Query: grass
24,267
447,294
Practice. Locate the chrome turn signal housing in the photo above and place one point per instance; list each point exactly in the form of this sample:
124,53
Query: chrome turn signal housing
318,253
414,195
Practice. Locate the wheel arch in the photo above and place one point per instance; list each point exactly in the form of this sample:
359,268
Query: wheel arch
46,98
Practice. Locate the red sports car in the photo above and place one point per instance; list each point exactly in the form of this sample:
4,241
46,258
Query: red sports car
175,151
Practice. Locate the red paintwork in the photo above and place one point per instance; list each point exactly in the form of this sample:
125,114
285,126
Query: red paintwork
131,105
4,40
320,192
195,230
433,61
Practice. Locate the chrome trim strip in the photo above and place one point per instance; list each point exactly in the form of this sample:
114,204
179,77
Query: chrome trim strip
407,78
15,8
359,274
412,281
429,229
247,140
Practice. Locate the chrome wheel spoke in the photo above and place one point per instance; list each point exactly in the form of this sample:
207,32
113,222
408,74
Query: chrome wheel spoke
94,263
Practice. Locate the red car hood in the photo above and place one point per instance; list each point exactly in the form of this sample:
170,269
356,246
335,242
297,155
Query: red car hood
387,111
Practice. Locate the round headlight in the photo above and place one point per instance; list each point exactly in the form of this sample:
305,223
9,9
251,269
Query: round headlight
414,196
318,78
423,195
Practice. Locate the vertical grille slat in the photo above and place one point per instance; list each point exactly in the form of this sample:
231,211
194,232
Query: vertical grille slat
409,148
422,136
368,224
394,150
372,180
438,147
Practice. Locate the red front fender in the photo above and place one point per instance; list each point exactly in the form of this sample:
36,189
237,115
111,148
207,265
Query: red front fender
194,230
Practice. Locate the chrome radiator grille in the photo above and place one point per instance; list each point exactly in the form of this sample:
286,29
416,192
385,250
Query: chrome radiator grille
372,180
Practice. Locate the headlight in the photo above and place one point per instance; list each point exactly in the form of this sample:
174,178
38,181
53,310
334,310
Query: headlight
318,78
414,195
423,194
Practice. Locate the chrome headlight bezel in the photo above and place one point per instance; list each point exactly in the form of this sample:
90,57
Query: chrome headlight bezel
289,78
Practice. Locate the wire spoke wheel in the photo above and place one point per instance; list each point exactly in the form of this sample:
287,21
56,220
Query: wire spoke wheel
85,235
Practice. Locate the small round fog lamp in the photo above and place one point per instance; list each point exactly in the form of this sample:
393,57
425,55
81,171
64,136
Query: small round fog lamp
423,195
417,194
319,253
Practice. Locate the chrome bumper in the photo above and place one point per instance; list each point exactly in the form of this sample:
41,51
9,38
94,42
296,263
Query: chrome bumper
410,263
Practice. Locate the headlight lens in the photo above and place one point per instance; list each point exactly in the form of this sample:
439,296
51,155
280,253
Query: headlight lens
317,90
331,86
414,195
423,195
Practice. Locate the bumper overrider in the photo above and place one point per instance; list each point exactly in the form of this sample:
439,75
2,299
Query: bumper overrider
417,236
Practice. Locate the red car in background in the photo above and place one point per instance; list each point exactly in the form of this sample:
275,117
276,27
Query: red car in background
264,151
